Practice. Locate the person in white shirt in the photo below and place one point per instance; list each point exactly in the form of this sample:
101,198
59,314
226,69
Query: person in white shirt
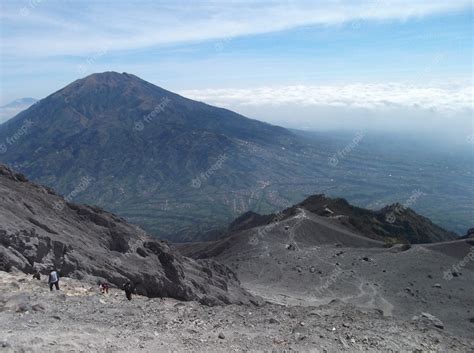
53,280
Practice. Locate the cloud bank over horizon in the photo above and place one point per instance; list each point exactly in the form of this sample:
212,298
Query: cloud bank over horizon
388,106
443,99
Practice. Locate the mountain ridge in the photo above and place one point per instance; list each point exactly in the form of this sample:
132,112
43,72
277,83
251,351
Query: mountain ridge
392,223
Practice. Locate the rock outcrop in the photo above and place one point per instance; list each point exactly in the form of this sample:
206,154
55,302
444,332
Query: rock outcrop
40,230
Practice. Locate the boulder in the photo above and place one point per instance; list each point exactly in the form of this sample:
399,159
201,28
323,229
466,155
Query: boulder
429,320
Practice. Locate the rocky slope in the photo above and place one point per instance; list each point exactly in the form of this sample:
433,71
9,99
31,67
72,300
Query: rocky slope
306,259
40,230
80,319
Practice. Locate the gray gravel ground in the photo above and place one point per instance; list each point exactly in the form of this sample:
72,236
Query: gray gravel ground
79,319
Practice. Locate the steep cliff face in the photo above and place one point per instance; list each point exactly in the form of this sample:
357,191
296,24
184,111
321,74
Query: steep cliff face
40,230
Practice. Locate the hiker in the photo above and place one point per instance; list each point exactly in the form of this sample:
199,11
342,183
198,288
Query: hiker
104,288
53,280
37,276
127,287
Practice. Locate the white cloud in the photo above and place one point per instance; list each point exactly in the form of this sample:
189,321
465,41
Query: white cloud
443,113
368,96
73,28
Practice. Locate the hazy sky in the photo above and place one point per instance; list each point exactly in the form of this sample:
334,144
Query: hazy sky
305,64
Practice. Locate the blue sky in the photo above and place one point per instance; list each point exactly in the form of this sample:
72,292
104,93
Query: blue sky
241,49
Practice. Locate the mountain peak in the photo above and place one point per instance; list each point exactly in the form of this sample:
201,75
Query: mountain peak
108,76
102,94
122,82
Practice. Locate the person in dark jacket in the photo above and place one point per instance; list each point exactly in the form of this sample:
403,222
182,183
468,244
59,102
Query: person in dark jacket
53,280
128,288
104,288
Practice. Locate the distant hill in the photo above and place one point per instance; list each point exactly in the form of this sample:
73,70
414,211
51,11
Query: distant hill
40,230
11,109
